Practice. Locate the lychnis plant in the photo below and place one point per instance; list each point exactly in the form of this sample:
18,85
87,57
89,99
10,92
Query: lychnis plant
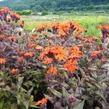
55,67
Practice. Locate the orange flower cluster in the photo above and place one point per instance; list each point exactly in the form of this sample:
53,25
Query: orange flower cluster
12,38
104,27
60,53
68,58
15,15
67,28
45,33
52,71
61,28
47,61
31,45
43,101
105,30
75,53
34,38
14,71
21,24
29,54
2,60
41,27
71,65
4,10
54,25
96,52
51,42
38,47
1,38
56,53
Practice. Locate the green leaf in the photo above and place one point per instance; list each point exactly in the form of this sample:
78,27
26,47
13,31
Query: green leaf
65,75
1,104
26,104
80,106
34,106
20,81
94,75
82,71
65,93
56,93
29,92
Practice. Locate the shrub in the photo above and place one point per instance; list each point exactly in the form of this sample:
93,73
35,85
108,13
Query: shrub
24,12
44,13
74,63
20,81
56,64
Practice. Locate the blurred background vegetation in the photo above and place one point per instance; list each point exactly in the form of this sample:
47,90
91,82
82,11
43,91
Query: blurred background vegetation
56,5
89,13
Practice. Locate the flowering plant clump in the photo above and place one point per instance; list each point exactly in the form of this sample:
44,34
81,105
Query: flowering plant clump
56,67
20,71
74,63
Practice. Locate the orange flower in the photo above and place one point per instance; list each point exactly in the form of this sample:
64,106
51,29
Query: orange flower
60,53
75,53
45,33
104,27
29,54
52,71
43,101
15,15
54,25
90,39
63,26
75,49
12,38
34,38
2,60
62,33
41,28
96,52
21,24
9,23
38,47
6,9
61,57
56,52
71,66
31,45
14,71
1,37
47,61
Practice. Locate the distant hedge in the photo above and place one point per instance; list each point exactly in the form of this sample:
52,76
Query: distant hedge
24,12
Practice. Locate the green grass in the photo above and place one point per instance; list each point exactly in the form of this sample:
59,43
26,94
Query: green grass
89,22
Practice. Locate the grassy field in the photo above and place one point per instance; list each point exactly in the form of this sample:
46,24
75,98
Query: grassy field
90,22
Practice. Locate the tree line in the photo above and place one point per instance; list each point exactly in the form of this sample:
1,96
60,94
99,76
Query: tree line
52,5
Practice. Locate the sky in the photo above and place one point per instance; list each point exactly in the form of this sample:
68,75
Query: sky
1,0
